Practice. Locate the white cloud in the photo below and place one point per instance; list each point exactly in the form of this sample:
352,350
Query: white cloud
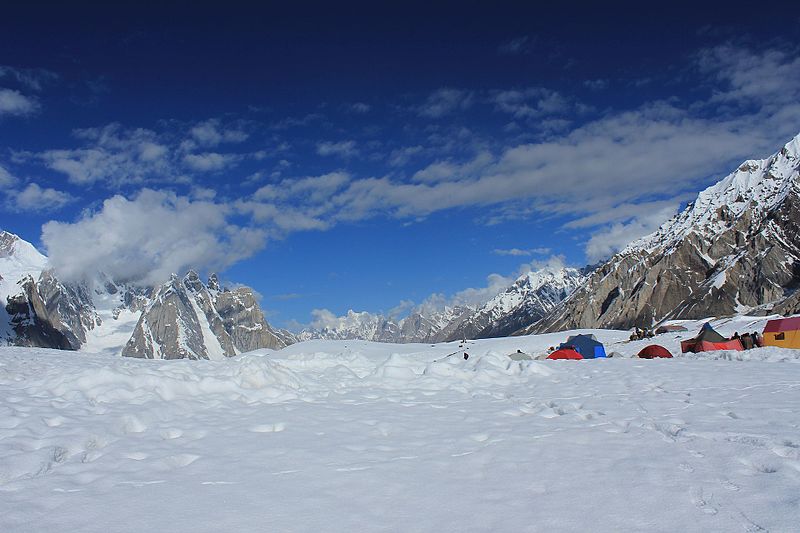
16,104
769,77
6,179
532,102
33,79
341,148
212,133
445,101
401,156
448,171
612,239
113,156
36,198
360,108
519,252
516,46
148,237
210,161
596,85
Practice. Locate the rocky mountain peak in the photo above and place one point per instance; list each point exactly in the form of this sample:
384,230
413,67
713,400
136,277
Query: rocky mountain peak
192,281
735,249
213,283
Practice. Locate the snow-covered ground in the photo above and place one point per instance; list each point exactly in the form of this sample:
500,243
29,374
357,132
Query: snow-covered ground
359,436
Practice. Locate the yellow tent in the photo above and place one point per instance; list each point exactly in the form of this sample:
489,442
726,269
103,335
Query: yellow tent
783,332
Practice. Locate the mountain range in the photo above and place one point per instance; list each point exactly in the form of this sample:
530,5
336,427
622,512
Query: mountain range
735,249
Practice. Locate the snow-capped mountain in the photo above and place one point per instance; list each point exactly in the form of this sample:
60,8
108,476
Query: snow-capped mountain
528,299
419,326
102,315
735,249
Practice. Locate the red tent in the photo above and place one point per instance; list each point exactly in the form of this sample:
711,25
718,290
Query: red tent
565,353
654,350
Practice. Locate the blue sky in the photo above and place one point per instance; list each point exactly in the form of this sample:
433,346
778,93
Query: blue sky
373,158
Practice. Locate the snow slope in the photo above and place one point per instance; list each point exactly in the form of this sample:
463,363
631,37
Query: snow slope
362,436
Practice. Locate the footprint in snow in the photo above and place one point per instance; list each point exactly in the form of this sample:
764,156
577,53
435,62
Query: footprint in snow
731,486
181,460
171,433
131,424
136,456
686,467
269,428
701,502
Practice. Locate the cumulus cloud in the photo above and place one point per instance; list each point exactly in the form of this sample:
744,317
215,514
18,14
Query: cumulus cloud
14,103
148,237
341,148
445,101
210,161
212,133
37,198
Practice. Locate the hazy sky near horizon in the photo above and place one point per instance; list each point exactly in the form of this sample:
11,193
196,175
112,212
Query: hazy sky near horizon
357,156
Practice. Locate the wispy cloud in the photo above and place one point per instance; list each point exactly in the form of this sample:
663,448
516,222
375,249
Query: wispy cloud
359,107
340,148
520,252
210,161
31,78
15,103
516,46
445,101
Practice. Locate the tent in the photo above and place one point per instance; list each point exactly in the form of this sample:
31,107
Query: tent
709,340
654,350
586,345
565,353
670,329
783,332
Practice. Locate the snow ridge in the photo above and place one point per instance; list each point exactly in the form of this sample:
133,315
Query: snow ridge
757,186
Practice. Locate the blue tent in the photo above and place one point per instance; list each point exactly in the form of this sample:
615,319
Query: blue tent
586,345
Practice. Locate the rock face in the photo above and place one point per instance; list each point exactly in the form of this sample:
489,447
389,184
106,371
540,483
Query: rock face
38,310
735,249
29,321
189,320
244,321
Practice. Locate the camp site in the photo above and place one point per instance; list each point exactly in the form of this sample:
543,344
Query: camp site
399,267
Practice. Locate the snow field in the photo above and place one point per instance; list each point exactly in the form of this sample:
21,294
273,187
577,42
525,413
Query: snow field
359,436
